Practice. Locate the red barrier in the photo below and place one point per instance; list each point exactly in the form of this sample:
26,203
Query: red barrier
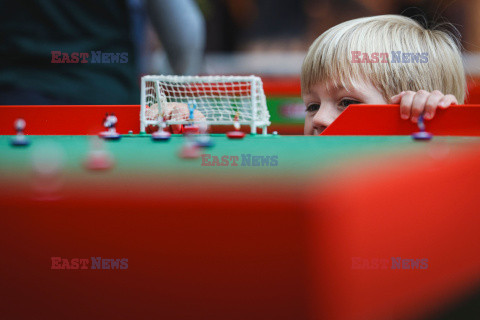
280,255
239,257
68,120
463,120
420,207
356,120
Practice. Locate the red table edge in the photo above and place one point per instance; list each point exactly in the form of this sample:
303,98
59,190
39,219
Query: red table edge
458,120
462,120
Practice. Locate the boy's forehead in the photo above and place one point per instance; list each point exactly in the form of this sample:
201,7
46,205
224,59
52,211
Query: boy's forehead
328,86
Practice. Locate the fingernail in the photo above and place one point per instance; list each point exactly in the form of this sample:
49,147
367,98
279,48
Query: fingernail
404,116
427,116
442,104
414,119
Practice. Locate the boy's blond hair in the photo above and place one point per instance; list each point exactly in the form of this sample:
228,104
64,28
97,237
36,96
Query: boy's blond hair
331,54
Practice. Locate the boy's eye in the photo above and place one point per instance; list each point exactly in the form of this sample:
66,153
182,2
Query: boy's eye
313,107
346,102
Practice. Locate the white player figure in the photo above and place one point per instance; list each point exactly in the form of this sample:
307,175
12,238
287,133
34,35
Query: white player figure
204,140
161,134
110,124
20,139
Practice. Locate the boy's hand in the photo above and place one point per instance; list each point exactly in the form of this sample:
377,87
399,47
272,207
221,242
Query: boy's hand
413,104
174,111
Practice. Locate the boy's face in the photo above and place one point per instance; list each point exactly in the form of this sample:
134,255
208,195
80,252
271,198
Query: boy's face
324,106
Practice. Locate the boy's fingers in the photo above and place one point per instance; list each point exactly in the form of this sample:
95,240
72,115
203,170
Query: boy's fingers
175,111
167,111
176,115
198,116
431,104
179,112
396,99
418,104
406,104
447,100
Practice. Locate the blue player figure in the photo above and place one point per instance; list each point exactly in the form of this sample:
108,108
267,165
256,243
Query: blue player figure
191,128
422,134
192,105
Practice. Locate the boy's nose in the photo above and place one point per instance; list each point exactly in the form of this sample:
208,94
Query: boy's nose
322,120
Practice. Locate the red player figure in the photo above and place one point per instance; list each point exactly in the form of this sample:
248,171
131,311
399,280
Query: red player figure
237,134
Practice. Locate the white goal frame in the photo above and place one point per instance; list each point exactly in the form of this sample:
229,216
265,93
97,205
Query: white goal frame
209,93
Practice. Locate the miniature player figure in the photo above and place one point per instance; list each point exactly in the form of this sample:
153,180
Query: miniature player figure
237,134
236,121
189,149
20,139
422,134
20,126
110,123
98,157
161,134
204,140
192,105
192,128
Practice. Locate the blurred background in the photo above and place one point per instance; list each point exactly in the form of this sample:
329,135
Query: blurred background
268,38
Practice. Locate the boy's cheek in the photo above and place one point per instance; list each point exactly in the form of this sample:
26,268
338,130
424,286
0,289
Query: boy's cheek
308,127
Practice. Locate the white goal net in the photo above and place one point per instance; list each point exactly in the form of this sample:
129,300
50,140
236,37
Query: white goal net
220,99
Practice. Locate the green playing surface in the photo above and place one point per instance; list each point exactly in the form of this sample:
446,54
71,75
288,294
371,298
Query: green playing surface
297,156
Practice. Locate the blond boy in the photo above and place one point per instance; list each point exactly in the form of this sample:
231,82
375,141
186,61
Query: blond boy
381,60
